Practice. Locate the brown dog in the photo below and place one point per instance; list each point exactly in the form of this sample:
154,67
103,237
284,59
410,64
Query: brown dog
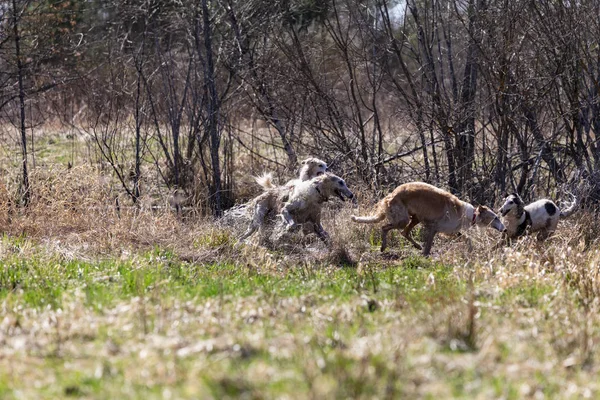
438,210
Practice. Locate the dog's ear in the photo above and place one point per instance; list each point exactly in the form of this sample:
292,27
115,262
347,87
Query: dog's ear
519,200
481,208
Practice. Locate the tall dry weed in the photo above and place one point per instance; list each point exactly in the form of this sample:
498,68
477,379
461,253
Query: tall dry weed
83,209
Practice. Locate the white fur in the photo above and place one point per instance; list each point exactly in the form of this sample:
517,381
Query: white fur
265,180
273,195
541,220
311,167
304,204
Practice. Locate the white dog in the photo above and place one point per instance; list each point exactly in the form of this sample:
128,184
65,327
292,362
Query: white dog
540,216
311,167
274,196
304,203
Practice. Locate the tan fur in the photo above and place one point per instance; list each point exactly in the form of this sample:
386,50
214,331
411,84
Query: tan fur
438,210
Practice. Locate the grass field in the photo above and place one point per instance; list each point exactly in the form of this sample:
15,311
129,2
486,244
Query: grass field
139,304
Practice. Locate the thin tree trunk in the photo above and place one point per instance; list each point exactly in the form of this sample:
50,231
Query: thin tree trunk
465,146
213,110
432,87
545,149
25,188
138,126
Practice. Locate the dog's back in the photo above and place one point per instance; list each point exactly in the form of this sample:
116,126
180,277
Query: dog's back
420,199
428,202
544,214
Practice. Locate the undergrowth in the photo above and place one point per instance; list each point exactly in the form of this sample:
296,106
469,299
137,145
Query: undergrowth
100,302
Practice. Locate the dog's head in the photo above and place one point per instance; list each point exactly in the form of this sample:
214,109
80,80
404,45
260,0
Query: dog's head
486,217
512,202
332,185
312,167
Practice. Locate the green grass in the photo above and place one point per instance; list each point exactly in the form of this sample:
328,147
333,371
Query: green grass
40,282
150,325
92,310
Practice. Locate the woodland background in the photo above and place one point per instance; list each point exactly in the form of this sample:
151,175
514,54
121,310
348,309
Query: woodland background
112,113
478,96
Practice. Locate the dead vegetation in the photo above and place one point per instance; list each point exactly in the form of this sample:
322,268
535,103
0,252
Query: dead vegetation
122,301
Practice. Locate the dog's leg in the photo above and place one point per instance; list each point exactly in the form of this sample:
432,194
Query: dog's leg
286,216
547,230
414,221
308,228
504,241
260,211
543,235
398,220
321,233
286,213
429,235
384,231
251,229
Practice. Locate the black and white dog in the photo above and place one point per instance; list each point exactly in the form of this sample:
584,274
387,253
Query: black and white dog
540,216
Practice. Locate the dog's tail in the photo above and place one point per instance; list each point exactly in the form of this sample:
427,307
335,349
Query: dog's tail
377,217
265,180
569,210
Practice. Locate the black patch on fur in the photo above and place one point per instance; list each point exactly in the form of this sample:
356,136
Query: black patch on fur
517,200
523,227
550,208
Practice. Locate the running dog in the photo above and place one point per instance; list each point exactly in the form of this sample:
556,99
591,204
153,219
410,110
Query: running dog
541,216
304,204
439,211
311,167
274,196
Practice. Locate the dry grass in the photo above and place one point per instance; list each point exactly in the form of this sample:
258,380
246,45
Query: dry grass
99,302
